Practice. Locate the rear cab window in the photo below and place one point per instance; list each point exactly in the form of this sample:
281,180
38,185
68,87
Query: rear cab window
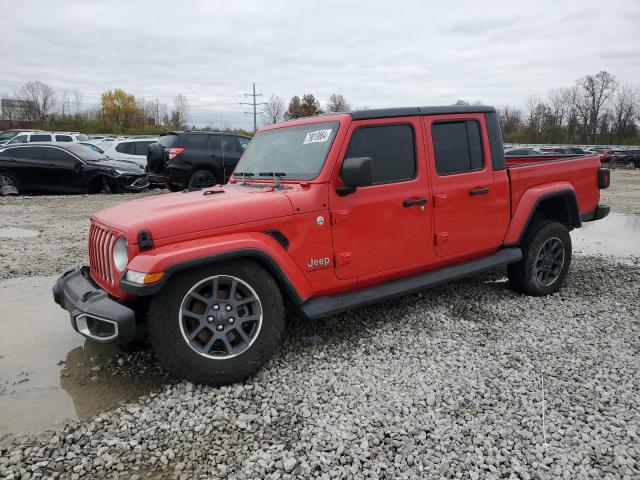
457,147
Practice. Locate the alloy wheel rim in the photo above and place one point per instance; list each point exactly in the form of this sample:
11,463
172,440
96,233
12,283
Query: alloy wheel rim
220,317
549,262
7,181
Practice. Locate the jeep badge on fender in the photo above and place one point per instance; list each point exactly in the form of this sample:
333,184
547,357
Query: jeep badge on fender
318,262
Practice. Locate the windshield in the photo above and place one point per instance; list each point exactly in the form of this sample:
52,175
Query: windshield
299,152
85,153
7,136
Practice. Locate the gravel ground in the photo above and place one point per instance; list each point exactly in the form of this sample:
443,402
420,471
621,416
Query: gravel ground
623,196
468,380
493,385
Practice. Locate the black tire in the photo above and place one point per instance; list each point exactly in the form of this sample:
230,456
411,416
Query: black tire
202,179
172,187
540,272
169,335
11,180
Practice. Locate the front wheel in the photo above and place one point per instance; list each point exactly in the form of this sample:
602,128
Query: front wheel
546,256
217,325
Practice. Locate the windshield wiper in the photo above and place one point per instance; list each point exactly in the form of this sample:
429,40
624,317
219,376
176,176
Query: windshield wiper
276,177
244,175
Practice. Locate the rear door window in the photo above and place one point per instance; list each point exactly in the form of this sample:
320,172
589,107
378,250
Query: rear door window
58,156
230,144
31,153
214,143
40,138
391,148
457,147
196,141
64,138
141,147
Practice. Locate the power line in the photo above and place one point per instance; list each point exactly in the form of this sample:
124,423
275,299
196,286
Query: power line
253,103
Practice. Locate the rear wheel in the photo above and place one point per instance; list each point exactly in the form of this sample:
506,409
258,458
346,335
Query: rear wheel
202,179
217,325
546,250
9,179
172,187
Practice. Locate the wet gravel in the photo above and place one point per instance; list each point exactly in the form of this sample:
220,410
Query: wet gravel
468,380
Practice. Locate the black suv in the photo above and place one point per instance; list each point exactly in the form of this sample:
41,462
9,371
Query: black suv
195,158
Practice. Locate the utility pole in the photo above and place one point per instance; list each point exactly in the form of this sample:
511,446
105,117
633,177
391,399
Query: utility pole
254,104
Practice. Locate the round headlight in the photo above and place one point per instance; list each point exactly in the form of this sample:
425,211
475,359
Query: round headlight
121,254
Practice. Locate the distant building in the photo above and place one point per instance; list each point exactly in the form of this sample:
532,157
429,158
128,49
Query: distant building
16,113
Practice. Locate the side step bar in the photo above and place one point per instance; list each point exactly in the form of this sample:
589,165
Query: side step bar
324,306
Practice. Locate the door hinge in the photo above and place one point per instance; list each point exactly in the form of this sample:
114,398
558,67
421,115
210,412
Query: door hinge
442,237
439,200
342,259
338,216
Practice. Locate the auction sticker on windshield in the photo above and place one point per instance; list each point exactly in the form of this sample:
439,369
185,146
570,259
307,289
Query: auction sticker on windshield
318,136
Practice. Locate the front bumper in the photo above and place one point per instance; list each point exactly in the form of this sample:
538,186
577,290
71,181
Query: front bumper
133,184
93,313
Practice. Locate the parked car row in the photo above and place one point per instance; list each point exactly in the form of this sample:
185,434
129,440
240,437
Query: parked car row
44,162
67,168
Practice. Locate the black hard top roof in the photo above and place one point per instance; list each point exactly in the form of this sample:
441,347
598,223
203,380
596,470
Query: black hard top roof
412,111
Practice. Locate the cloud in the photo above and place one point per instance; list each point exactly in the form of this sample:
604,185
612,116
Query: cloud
374,52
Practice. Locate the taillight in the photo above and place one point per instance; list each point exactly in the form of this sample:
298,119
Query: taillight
604,177
174,152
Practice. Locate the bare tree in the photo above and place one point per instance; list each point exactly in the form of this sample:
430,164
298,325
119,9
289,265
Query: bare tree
274,109
510,119
42,101
179,118
337,103
78,96
593,93
625,108
536,117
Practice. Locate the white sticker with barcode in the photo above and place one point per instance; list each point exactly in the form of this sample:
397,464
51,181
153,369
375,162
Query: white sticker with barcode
316,137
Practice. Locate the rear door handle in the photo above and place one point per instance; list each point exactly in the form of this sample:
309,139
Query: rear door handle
479,191
412,202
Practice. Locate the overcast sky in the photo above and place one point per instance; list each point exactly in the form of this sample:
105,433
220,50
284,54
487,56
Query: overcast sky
376,53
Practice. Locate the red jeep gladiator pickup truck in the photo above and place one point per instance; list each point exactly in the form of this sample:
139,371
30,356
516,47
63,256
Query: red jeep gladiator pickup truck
323,215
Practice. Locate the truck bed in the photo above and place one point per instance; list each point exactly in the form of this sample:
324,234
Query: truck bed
581,172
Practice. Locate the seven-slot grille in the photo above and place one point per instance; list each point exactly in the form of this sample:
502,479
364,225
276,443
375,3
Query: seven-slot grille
101,244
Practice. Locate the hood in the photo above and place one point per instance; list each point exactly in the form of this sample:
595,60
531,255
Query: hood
129,166
187,213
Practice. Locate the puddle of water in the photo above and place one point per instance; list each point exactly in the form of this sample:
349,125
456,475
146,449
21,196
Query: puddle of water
14,232
616,235
48,372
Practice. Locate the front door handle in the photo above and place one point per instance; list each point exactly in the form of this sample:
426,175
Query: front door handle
479,191
412,202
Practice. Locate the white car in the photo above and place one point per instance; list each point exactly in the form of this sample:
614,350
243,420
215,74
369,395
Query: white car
55,137
132,149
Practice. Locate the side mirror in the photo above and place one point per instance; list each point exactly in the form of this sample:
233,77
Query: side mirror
355,172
